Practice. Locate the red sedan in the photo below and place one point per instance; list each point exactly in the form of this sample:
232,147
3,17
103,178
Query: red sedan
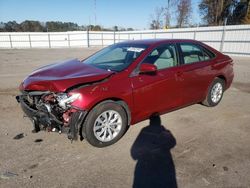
125,83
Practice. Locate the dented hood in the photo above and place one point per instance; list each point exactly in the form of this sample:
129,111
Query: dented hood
59,77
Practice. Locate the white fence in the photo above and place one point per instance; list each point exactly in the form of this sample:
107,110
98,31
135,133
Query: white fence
233,40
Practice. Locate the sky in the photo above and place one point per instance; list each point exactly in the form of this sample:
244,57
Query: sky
123,13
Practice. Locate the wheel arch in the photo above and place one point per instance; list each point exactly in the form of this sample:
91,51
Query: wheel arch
118,101
221,76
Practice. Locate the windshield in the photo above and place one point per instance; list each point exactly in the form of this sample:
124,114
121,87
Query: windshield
116,57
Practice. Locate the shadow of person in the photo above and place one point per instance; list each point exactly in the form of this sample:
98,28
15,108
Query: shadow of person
155,167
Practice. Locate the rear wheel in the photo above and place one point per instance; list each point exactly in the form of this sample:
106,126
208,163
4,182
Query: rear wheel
105,124
215,92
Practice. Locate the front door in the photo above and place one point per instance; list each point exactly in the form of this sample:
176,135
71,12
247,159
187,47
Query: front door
159,92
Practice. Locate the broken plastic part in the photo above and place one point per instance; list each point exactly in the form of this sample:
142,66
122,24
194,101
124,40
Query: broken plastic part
63,99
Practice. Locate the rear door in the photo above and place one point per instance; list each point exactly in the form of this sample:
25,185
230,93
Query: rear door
195,72
159,92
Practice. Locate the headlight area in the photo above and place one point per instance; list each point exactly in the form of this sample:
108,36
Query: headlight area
53,111
64,100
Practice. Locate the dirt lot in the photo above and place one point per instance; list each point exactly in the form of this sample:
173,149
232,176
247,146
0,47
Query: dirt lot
212,144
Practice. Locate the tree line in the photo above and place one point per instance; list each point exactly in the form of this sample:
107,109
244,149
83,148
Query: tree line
53,26
178,13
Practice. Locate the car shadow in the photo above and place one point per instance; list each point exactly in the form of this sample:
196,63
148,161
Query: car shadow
151,149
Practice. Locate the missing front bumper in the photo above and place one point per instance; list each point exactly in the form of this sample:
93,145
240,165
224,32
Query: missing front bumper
47,119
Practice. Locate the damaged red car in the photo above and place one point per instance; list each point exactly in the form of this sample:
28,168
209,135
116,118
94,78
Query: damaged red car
125,83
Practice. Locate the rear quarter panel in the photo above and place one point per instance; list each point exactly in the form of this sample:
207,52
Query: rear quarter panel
221,66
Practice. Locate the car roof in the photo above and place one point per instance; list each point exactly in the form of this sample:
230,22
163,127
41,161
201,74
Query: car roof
158,41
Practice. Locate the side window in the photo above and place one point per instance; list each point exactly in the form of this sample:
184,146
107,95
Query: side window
193,53
163,57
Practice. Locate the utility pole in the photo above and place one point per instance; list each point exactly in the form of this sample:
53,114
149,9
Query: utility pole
167,15
221,11
95,10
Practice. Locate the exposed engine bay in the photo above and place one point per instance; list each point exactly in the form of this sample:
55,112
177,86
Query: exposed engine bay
52,112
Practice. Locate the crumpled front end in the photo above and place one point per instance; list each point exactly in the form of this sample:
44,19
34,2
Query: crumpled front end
52,112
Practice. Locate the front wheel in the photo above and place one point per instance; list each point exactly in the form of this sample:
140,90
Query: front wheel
215,92
105,124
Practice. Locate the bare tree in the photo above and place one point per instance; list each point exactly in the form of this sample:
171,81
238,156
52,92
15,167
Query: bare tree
156,18
169,11
184,11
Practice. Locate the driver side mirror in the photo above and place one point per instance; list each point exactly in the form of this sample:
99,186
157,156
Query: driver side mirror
148,68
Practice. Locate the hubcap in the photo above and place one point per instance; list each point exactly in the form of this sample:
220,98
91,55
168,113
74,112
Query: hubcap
107,125
216,92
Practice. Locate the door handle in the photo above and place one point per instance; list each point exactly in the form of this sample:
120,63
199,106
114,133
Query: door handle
213,66
179,73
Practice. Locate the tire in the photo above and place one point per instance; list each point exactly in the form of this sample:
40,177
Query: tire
215,93
105,124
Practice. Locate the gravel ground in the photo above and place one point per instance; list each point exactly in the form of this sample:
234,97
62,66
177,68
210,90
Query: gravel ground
206,147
